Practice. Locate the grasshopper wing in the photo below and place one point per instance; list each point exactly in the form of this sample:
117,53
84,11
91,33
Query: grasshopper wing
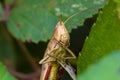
68,68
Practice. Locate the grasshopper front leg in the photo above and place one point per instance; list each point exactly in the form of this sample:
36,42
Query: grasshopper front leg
45,59
71,53
53,53
67,49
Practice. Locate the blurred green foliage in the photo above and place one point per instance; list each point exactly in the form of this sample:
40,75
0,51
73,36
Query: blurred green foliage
108,68
4,74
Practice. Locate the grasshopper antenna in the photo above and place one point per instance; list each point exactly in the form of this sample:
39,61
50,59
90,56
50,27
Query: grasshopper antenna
61,19
75,15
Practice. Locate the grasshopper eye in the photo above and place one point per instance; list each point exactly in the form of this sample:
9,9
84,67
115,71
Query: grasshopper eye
65,43
65,39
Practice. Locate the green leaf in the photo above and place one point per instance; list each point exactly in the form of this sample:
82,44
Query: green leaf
4,74
108,68
104,37
1,12
118,6
35,20
9,1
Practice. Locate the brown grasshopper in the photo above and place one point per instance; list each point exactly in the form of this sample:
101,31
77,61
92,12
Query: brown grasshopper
56,53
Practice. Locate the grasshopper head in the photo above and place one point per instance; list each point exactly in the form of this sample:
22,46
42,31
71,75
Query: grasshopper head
61,34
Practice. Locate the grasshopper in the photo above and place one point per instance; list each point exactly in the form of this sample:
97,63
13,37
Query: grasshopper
56,53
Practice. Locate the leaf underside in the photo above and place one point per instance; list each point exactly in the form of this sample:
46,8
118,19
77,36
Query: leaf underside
35,20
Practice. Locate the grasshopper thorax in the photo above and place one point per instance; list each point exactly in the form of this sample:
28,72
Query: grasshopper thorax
61,34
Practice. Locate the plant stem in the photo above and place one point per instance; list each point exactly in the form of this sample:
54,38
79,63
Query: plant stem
27,55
